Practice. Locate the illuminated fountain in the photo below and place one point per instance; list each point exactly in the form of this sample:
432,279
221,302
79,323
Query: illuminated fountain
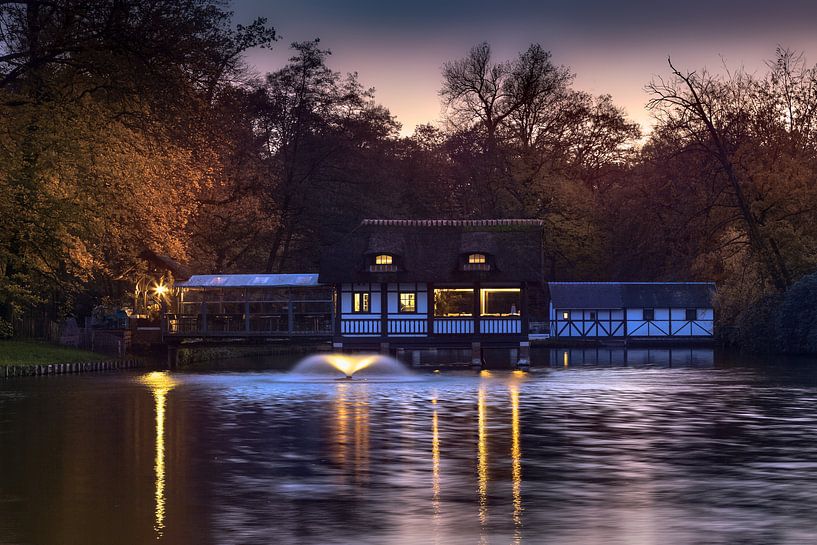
349,365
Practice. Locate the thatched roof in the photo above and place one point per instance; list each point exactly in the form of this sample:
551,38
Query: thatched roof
433,250
607,295
167,263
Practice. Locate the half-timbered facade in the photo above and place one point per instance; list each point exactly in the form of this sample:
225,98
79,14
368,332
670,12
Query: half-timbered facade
411,282
631,309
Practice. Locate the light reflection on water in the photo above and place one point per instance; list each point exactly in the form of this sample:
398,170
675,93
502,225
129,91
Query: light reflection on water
584,455
160,383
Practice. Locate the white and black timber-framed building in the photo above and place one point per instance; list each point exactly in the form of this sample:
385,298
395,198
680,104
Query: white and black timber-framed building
631,310
415,283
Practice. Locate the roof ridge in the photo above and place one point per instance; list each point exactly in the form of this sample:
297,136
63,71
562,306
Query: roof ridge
451,222
635,283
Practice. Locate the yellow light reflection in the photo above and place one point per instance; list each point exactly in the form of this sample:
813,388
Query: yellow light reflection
516,463
160,383
341,424
565,358
482,457
351,430
435,460
362,433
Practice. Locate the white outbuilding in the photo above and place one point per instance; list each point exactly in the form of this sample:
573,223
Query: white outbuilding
631,309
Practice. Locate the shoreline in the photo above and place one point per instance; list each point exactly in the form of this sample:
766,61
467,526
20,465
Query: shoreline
44,369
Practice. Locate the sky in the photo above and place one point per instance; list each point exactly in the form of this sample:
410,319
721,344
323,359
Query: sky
613,47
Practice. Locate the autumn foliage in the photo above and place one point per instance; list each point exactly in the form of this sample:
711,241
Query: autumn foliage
135,125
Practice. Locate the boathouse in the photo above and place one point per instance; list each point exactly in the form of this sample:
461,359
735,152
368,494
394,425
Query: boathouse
250,306
649,310
415,283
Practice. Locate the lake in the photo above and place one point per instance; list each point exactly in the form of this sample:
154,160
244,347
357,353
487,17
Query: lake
583,449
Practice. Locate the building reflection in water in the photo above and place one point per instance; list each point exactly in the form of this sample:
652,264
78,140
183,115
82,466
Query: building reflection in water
160,383
351,430
516,463
690,356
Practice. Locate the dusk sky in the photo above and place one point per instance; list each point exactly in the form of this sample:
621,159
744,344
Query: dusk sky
613,47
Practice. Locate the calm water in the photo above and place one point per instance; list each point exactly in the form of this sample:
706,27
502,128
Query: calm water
702,452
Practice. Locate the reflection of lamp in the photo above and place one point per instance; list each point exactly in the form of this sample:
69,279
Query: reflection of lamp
516,464
482,457
160,383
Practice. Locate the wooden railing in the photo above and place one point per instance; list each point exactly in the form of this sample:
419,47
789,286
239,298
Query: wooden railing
500,326
453,326
240,325
360,326
408,326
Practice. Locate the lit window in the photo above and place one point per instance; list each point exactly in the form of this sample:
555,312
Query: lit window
501,302
408,302
360,301
383,259
476,259
691,314
648,314
453,302
565,315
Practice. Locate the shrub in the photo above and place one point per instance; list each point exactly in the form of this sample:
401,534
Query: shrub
6,329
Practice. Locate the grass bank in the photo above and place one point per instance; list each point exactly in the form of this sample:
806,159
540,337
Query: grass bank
37,353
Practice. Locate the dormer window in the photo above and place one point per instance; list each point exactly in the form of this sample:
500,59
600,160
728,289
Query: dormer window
382,263
476,262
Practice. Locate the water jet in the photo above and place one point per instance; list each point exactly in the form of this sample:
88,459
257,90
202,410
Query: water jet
350,365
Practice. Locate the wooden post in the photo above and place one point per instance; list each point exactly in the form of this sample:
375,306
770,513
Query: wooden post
430,309
290,314
246,313
172,357
384,310
476,355
523,310
477,309
203,314
163,320
523,363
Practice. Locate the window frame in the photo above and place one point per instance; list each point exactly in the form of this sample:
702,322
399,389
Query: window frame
483,302
387,259
400,294
694,312
367,298
592,315
473,313
645,311
479,258
566,315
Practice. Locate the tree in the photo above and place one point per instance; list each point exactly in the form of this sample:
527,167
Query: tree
101,150
758,145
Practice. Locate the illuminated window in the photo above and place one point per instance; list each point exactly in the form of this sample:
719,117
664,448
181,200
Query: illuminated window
360,301
565,315
453,302
648,314
501,302
691,314
408,302
476,259
383,259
